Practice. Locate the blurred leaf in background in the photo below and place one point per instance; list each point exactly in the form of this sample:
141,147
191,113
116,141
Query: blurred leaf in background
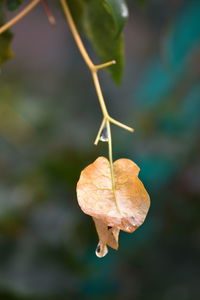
13,4
102,22
5,39
169,102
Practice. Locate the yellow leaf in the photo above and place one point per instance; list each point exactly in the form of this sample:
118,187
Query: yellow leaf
123,208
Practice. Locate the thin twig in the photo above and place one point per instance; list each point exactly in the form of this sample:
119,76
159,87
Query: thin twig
20,16
100,131
76,34
94,70
121,124
100,94
102,66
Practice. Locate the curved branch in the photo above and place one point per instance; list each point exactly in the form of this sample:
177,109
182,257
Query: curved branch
92,67
94,70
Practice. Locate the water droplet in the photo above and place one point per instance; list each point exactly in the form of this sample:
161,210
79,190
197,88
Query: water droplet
104,135
101,250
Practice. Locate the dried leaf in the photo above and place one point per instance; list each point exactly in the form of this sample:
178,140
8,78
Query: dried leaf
97,199
107,236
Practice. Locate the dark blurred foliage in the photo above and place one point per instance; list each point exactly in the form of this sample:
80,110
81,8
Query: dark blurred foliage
49,117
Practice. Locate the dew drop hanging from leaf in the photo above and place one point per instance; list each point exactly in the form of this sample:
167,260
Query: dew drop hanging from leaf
110,192
123,209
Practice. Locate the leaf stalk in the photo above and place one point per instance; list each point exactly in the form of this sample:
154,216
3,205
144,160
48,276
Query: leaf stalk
94,72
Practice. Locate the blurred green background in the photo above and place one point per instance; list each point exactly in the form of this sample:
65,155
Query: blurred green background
49,117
